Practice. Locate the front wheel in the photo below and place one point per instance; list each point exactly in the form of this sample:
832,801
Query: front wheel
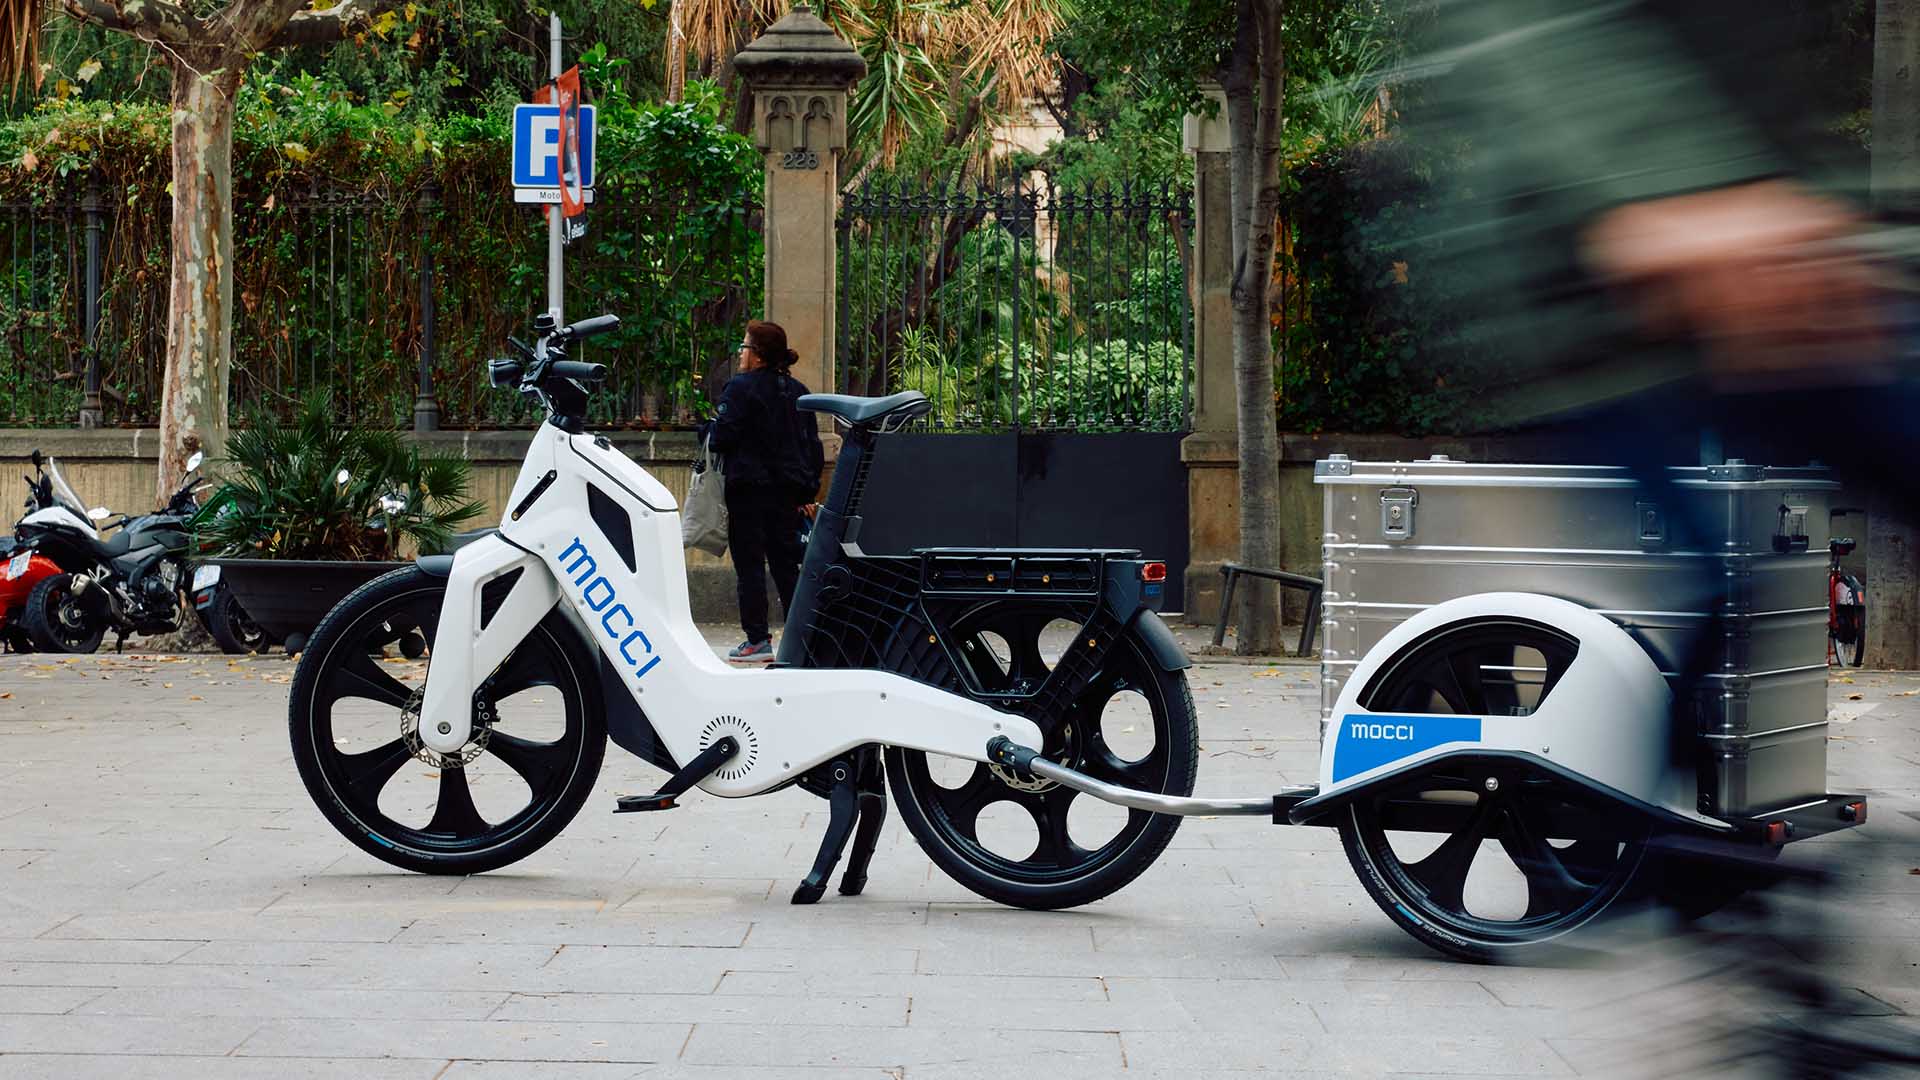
538,735
1030,842
58,622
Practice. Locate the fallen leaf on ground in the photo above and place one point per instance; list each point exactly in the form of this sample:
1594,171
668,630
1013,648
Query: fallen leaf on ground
1853,697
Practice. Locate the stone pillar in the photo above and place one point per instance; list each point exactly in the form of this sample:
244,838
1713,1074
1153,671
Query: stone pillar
1212,452
798,74
1892,581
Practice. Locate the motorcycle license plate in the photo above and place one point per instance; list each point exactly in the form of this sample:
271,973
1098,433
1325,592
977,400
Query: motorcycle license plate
18,564
205,577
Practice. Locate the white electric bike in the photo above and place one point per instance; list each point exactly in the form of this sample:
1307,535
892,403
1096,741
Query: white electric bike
574,615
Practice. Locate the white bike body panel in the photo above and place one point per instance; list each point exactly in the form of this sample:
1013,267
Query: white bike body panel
786,720
1609,717
60,515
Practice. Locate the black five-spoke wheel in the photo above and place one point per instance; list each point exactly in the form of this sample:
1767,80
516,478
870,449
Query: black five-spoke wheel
1481,855
537,743
1030,842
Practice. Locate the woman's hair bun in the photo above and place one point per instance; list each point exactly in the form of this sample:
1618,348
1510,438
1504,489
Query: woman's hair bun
792,358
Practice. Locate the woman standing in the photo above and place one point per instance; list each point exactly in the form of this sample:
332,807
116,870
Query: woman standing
774,461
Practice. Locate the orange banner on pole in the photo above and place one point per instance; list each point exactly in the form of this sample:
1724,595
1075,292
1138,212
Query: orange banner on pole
566,94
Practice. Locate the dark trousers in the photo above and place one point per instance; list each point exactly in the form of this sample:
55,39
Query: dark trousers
763,530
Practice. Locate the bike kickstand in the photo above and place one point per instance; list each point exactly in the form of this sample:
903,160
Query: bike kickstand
873,815
844,808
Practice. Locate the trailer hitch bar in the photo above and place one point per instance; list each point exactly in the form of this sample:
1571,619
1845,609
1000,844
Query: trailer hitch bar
1004,751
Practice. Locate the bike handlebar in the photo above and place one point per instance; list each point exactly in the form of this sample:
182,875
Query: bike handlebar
586,328
574,369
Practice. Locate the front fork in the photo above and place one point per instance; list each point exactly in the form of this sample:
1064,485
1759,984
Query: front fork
464,651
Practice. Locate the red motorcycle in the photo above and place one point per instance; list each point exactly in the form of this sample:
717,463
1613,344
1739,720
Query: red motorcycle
1846,604
22,565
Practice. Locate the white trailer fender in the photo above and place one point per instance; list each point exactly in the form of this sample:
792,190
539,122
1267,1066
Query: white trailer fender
1609,718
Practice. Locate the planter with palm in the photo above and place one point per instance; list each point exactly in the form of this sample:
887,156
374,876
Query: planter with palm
319,508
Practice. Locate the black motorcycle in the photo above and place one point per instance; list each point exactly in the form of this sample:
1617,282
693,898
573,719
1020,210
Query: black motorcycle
130,583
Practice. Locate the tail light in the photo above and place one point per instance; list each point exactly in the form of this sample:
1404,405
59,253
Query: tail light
1153,571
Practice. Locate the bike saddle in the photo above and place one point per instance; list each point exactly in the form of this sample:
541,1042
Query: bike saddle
890,411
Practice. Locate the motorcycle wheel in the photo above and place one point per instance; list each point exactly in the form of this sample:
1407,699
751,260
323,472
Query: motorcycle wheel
538,737
1103,731
55,622
231,628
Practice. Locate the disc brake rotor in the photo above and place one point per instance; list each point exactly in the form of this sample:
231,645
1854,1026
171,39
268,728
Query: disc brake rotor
410,734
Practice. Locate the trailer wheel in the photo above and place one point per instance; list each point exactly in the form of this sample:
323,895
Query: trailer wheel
1522,857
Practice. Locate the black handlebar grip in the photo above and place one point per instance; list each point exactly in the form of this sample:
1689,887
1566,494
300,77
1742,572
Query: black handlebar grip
587,328
503,371
574,369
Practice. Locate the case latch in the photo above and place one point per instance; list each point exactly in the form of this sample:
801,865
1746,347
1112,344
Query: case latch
1396,512
1651,522
1790,535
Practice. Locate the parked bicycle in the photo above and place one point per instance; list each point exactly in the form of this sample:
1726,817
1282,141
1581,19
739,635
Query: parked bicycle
582,593
1846,603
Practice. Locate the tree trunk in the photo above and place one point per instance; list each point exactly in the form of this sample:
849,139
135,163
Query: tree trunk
1253,113
1893,560
676,51
193,394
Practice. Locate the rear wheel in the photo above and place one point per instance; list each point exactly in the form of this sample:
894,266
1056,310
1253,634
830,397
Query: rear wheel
538,736
230,626
1477,858
1029,842
57,621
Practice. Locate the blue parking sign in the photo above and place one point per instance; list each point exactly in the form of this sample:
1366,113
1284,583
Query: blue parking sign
536,146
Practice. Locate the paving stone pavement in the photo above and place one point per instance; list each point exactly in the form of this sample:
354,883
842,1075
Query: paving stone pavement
172,905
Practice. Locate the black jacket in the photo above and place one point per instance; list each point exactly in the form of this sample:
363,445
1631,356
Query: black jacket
767,442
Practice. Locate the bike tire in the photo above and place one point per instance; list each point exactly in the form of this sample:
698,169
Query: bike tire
348,787
1060,873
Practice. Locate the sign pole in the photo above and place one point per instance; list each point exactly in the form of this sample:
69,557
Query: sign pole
556,284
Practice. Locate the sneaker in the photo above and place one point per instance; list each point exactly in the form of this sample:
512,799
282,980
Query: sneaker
752,652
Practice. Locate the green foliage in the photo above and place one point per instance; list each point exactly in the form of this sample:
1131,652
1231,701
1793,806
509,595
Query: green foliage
282,483
1364,328
427,58
330,228
1056,308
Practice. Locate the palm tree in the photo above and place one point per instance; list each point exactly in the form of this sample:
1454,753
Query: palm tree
942,66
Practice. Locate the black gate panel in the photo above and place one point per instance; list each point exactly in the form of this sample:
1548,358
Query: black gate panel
1031,490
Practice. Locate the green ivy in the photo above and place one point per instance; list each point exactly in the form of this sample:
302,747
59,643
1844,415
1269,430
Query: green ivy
336,202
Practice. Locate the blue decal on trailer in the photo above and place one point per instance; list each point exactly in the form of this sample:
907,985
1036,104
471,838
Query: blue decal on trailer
1370,740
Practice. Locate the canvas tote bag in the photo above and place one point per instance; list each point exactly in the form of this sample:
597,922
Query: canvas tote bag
703,517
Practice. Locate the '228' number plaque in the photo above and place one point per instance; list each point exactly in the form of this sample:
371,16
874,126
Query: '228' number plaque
800,159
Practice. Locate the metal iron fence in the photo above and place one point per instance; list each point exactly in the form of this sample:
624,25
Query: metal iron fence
1022,308
392,303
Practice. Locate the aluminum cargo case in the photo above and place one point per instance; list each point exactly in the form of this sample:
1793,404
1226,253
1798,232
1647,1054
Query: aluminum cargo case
1744,542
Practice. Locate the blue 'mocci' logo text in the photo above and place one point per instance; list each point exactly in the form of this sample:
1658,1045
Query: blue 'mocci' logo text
1370,740
598,592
